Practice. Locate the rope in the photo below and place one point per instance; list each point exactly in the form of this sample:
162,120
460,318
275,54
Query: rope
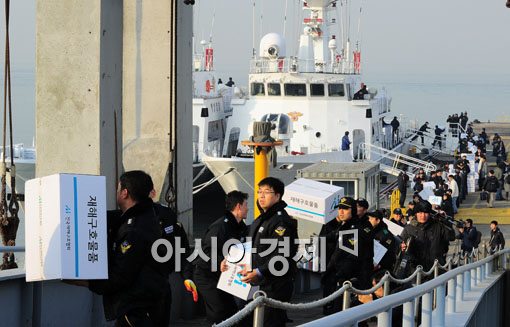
200,187
9,220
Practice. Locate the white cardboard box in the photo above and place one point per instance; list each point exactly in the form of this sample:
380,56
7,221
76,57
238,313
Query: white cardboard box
312,200
65,227
230,280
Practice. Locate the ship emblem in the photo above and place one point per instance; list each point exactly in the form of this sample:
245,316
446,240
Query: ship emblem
294,116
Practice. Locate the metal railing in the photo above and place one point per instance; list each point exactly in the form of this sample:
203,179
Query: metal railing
433,293
295,65
448,143
12,249
397,158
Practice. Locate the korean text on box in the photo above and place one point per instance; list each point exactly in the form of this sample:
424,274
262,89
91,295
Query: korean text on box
312,200
230,280
65,227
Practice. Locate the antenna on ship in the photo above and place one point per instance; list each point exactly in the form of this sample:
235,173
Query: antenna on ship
253,52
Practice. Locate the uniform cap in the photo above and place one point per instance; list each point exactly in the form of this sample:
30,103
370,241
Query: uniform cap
346,203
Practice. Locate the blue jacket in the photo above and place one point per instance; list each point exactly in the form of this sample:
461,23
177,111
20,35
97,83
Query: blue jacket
345,143
468,239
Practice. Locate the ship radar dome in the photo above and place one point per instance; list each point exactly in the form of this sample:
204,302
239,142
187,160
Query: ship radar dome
272,46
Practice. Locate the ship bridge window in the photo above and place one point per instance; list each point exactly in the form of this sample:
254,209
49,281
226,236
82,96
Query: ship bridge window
282,120
257,89
296,90
336,90
274,89
316,90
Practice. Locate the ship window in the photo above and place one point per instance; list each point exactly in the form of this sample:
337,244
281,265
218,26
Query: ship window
233,142
296,90
215,130
257,89
274,89
317,90
336,90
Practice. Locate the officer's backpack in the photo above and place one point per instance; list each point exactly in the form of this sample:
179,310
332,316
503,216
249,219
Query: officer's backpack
478,239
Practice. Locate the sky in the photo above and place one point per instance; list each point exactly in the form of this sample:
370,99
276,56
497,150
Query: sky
398,37
22,34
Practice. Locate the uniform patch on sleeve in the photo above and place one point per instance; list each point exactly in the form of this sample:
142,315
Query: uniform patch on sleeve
389,241
169,229
280,230
124,247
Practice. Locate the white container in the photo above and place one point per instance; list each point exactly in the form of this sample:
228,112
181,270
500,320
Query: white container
311,200
65,227
230,280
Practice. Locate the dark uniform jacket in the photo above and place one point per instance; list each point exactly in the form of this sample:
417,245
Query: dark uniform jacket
383,235
330,232
497,240
172,230
133,277
468,239
274,224
431,241
223,229
346,265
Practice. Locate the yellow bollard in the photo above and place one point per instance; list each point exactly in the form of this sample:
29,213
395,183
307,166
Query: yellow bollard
261,166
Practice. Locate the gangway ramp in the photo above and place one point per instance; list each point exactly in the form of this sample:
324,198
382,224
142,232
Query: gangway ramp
392,160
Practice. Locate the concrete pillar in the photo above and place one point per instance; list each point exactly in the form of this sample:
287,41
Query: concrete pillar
157,96
78,90
78,87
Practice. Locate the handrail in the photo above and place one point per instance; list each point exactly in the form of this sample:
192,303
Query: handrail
347,287
12,249
396,156
360,313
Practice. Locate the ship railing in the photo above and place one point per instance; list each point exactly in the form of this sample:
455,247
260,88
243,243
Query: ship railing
295,65
448,144
379,154
437,297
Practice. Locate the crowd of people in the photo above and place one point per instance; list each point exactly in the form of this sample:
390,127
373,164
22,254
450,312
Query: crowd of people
137,292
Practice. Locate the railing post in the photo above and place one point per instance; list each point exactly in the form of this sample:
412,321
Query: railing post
460,287
503,261
417,300
452,293
473,277
440,306
487,269
347,297
408,314
467,281
258,313
478,274
436,273
426,309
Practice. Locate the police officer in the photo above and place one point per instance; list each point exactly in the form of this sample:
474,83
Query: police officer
220,305
135,284
172,231
362,209
398,217
382,235
273,224
431,237
345,264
